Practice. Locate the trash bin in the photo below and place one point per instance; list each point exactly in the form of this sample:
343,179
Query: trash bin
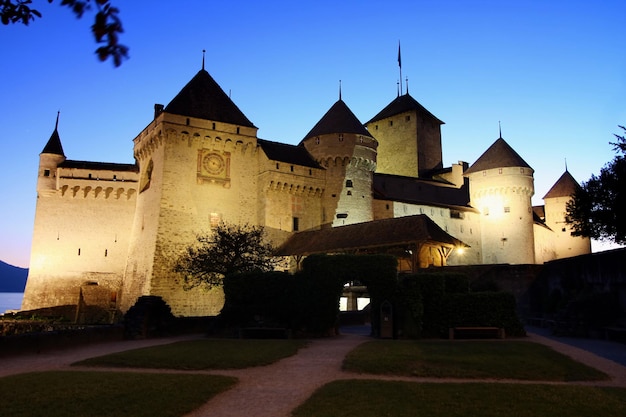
386,320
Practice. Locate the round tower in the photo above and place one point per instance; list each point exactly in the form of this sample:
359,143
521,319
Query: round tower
49,159
555,208
342,145
501,187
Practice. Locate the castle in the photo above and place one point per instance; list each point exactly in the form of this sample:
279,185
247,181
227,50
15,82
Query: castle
107,233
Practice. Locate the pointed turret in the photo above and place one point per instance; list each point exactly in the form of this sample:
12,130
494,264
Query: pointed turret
49,159
53,146
498,155
565,186
341,144
338,119
501,187
203,98
555,209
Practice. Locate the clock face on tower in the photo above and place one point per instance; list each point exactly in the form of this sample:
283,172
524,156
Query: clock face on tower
213,167
213,164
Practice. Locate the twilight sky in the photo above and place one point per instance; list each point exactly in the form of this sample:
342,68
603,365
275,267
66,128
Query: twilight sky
552,72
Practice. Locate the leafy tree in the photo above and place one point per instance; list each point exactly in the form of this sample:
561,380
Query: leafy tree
106,28
598,208
229,249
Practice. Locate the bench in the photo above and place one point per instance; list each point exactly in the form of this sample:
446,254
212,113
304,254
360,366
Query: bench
616,333
476,332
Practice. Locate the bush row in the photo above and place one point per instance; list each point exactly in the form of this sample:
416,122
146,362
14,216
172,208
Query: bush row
424,305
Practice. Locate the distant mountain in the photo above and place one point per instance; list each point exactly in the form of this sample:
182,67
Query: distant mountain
12,278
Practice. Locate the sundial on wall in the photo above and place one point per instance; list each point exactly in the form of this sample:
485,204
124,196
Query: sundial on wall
213,167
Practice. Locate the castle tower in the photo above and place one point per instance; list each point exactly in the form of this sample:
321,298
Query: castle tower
555,208
49,159
198,167
409,138
501,188
80,235
341,144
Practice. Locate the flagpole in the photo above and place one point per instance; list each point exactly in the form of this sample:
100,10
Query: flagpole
400,65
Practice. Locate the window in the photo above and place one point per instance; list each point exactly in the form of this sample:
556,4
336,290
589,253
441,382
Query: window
46,172
237,130
317,141
390,122
277,165
349,192
291,168
407,118
341,137
214,220
349,183
213,126
296,224
342,215
455,214
310,172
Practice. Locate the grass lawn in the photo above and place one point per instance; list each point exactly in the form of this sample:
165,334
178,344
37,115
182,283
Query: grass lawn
106,394
368,398
471,359
202,354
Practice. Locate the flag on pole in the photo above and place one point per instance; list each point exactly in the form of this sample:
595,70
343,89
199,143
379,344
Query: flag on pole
399,56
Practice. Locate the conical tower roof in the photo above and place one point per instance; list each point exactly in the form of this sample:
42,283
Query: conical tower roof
203,98
499,155
53,146
338,119
402,104
565,186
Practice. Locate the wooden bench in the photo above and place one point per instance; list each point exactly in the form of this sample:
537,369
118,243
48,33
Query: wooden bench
476,332
614,333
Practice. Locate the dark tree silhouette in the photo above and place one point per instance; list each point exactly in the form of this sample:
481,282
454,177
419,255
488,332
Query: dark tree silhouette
227,250
598,208
106,28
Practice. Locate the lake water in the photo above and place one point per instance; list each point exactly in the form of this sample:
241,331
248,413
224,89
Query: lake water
10,301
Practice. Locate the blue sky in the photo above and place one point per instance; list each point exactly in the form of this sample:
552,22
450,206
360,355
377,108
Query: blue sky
552,72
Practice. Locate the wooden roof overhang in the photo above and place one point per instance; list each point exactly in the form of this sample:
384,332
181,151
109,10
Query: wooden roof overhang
402,235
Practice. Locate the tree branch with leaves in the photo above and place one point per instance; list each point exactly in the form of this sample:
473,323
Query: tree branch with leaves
106,28
229,249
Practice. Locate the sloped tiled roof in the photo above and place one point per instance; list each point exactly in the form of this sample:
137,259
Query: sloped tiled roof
369,235
290,154
419,191
99,166
499,155
203,98
338,119
402,104
565,186
54,144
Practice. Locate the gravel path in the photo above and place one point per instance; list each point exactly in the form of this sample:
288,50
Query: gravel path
277,389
